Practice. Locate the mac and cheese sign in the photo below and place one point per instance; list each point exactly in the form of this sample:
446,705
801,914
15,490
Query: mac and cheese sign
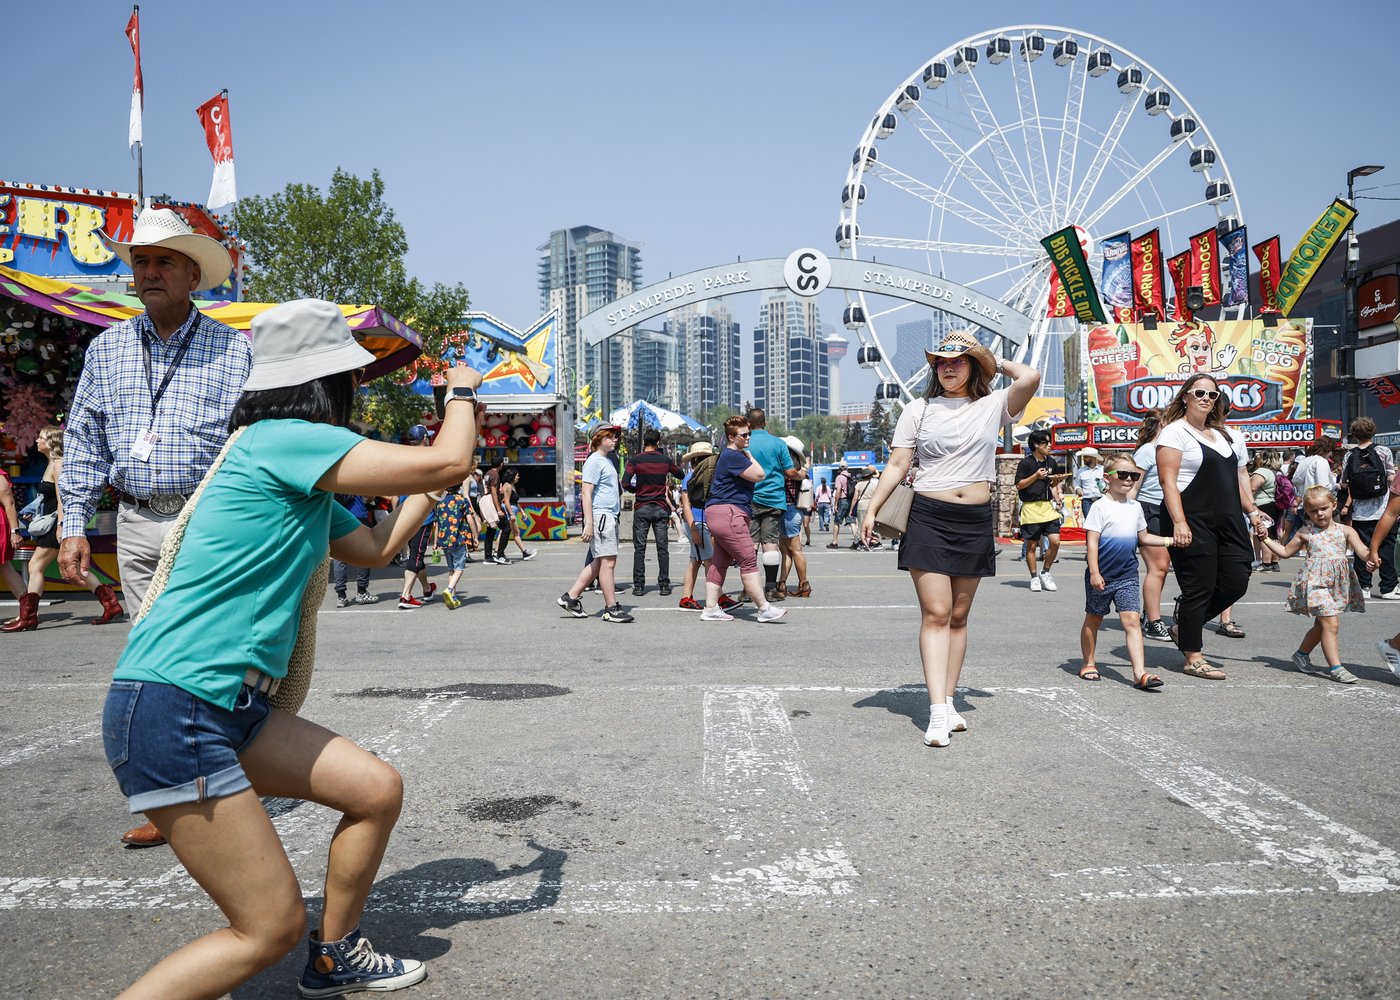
56,232
1126,370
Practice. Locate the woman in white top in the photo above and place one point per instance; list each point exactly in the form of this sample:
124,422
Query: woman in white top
949,544
1201,464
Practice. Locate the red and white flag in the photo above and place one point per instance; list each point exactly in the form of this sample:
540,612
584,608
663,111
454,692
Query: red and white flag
213,115
138,96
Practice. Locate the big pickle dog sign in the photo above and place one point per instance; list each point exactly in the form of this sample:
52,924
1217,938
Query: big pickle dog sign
1127,370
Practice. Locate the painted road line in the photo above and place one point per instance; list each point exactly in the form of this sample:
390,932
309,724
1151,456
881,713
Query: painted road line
52,739
753,773
803,607
1307,849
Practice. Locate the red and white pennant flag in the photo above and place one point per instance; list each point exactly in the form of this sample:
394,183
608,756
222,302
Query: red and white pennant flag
213,115
138,97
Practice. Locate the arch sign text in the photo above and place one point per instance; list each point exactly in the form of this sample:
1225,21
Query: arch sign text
805,272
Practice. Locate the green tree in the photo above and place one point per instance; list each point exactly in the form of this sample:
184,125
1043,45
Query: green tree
714,417
346,246
879,430
855,436
823,434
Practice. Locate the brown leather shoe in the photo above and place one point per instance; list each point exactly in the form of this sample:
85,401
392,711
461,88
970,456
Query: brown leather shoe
145,835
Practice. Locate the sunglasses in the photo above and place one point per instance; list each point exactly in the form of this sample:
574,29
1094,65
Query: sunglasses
1205,394
744,434
1126,476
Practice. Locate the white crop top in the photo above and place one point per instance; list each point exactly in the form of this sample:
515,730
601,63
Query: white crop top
954,439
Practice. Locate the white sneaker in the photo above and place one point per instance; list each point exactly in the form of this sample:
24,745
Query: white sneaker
1393,595
1035,584
771,613
1390,655
936,735
1048,582
1255,566
956,723
1366,593
715,614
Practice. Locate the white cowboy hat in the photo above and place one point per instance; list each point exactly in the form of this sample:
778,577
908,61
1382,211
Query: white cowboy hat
1089,452
163,227
298,342
794,443
960,342
698,450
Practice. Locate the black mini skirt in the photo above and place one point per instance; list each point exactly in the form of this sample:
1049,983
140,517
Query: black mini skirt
955,539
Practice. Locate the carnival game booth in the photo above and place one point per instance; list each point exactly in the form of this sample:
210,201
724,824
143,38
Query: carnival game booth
529,419
46,325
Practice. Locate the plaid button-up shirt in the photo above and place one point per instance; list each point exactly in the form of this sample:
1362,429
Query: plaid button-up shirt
111,409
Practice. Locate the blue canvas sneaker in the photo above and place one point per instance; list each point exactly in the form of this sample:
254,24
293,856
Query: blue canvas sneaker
351,965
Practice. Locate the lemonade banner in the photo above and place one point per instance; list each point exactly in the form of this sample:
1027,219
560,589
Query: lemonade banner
1266,372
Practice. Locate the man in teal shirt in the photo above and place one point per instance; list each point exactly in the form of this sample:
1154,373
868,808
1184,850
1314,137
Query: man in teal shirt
769,498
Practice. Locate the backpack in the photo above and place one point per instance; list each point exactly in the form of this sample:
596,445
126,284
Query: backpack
1365,474
700,478
1285,496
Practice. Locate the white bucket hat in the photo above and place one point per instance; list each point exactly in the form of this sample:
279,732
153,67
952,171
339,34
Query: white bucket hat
163,227
297,342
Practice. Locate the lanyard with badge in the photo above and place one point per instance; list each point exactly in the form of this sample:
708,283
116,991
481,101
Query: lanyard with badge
145,445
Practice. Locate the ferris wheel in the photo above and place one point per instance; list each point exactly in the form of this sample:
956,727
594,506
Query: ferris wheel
998,141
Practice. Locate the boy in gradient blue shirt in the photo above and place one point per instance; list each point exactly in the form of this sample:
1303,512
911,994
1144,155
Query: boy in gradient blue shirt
1115,528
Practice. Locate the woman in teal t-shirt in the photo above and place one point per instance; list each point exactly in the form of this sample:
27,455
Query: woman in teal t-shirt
187,727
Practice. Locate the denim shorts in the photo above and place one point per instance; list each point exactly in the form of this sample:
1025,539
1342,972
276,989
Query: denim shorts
166,747
456,558
792,522
1123,594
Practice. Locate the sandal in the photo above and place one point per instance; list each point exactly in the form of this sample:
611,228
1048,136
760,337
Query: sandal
804,589
1089,672
1147,682
1204,670
1230,630
781,590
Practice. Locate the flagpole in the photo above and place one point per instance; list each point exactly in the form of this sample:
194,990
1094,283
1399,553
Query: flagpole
140,143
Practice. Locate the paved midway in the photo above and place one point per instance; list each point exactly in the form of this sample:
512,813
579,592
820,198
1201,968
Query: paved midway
678,809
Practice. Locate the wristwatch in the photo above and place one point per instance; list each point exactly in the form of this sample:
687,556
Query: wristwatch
461,392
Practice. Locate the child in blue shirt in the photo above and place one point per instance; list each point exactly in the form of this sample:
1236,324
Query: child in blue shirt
1115,527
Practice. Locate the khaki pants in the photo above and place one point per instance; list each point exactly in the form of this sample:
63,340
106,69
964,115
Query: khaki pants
140,533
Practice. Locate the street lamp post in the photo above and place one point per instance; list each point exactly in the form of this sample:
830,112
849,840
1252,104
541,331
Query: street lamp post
1351,397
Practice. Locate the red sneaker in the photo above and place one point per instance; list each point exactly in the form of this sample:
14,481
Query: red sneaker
690,604
410,602
727,603
428,594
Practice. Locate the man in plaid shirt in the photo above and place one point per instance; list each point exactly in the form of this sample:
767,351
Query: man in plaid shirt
151,409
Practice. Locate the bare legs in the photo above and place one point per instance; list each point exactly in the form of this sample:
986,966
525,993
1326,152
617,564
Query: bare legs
1324,632
231,849
944,603
1158,562
604,568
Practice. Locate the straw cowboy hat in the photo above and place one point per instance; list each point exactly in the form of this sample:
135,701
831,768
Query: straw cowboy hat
960,342
794,444
699,450
163,227
301,341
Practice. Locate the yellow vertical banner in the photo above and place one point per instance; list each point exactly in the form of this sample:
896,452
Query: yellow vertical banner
1311,252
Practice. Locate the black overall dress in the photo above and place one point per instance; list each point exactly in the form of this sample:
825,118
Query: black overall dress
1213,571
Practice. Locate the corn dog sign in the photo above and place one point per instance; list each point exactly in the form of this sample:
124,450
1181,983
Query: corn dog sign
1127,370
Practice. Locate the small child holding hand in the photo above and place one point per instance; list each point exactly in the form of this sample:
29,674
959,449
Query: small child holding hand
1326,585
1115,527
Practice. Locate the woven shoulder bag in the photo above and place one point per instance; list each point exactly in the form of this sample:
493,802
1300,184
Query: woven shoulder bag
291,692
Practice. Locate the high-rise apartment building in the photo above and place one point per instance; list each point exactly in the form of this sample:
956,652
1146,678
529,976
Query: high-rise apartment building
582,269
789,359
656,368
707,339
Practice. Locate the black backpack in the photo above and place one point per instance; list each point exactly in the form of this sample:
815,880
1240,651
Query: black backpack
1366,474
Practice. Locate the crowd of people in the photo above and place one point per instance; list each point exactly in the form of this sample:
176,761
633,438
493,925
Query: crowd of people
240,477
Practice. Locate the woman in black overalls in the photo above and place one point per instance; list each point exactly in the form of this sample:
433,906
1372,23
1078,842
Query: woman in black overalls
1212,551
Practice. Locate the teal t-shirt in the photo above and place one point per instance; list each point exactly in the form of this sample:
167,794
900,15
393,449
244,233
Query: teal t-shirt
772,454
233,601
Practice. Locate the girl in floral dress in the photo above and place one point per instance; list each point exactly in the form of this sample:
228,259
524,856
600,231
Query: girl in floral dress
1326,585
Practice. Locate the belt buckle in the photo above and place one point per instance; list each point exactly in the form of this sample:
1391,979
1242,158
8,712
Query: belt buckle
166,504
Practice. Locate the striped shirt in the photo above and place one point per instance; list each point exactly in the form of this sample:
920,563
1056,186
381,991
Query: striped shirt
111,410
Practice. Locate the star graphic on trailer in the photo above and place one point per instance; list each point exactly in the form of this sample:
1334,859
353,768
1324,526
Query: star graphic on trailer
529,368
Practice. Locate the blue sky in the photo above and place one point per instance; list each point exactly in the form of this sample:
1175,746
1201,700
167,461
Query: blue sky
704,131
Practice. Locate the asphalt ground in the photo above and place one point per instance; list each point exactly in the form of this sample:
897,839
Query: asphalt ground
673,808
